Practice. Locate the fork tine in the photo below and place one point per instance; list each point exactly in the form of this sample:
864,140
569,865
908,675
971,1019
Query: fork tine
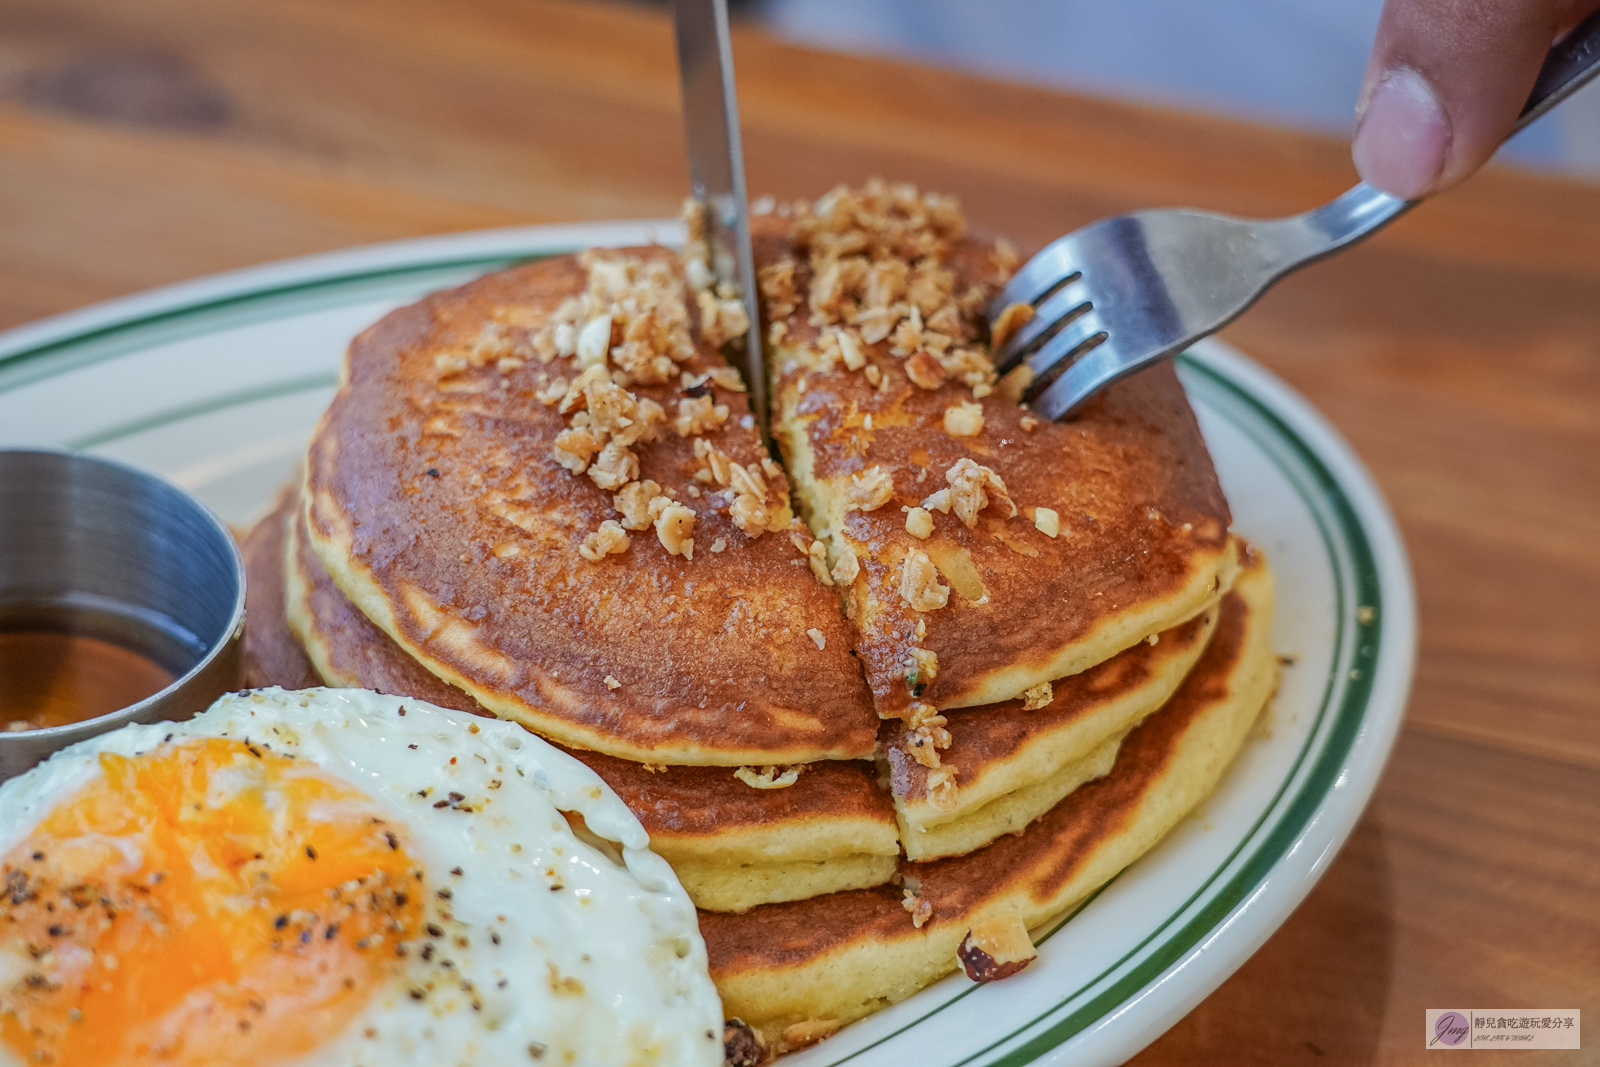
1046,317
1095,369
1069,339
1036,277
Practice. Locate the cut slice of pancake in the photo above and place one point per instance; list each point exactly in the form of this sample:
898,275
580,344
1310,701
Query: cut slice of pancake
1012,763
735,846
272,656
829,960
1037,549
441,502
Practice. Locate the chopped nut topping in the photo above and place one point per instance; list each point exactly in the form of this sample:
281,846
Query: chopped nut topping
876,257
996,948
964,419
920,585
809,1032
846,567
1029,423
921,911
551,393
608,540
939,501
817,556
633,504
818,638
970,486
941,786
614,467
449,363
1037,697
1047,522
741,1045
612,683
924,370
697,414
574,449
725,377
675,528
922,667
868,490
770,776
594,341
919,523
1009,321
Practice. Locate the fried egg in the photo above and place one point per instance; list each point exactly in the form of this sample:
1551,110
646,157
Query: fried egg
337,877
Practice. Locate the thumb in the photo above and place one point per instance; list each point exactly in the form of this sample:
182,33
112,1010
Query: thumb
1445,84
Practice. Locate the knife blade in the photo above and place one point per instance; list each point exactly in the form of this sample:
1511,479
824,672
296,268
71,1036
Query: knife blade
716,170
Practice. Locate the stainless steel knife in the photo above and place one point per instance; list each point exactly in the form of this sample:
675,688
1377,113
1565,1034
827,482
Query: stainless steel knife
716,169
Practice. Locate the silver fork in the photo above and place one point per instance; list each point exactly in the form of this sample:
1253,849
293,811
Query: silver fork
1124,292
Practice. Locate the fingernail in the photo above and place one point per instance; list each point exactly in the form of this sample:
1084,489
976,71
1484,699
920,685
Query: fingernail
1401,136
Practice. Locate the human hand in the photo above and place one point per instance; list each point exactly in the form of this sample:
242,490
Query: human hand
1445,84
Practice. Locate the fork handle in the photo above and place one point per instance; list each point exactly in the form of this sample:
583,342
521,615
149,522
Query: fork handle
1302,239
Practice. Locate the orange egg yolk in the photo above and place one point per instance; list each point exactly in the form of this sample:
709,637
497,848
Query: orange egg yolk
208,902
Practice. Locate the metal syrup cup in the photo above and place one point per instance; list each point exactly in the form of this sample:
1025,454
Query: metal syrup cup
106,550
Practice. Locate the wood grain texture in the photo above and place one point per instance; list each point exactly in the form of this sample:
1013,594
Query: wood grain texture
1459,351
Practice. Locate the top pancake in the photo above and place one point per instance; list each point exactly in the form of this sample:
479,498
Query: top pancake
1143,526
436,504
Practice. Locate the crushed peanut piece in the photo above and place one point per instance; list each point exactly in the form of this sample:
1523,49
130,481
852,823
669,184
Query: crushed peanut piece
941,786
965,419
719,544
868,490
1029,423
633,504
675,529
697,414
921,911
919,523
919,583
1038,696
939,501
770,776
818,638
925,370
970,486
799,1035
817,556
608,540
612,683
846,567
1047,522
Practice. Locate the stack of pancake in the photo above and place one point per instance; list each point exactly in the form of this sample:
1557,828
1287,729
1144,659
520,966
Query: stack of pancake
989,663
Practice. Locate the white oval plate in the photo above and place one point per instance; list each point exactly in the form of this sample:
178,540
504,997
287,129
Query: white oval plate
218,382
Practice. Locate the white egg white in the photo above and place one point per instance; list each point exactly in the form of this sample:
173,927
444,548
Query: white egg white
560,950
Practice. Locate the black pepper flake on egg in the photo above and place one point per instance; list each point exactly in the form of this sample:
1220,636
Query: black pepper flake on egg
280,922
434,930
311,853
253,750
494,937
433,472
444,893
457,871
389,836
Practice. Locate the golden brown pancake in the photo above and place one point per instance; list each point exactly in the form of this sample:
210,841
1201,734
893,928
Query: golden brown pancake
733,845
1141,526
839,957
272,656
438,507
1013,764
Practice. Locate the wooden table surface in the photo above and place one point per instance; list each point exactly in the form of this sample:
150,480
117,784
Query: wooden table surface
147,141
